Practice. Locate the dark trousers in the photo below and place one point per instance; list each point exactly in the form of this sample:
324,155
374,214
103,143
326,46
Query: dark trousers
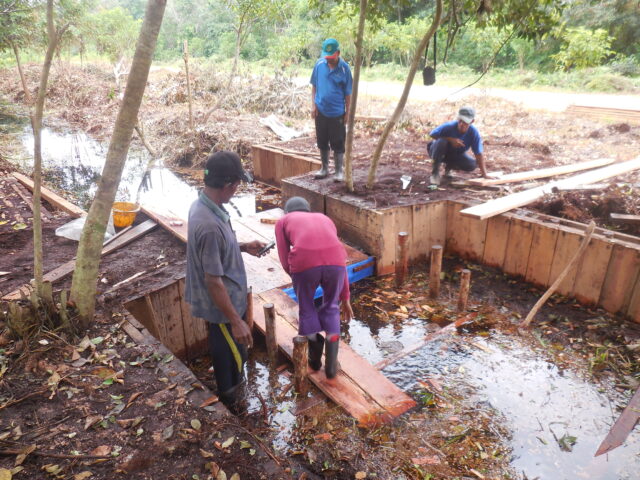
228,357
327,317
441,151
330,131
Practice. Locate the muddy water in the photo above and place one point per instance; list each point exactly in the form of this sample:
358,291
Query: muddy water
73,162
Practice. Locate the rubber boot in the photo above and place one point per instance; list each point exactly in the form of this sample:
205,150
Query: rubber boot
315,352
235,399
339,159
331,357
324,171
435,174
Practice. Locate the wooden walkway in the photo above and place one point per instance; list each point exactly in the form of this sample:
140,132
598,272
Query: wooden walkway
359,388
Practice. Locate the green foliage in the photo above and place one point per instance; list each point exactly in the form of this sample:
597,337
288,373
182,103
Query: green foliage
478,46
17,26
113,31
583,48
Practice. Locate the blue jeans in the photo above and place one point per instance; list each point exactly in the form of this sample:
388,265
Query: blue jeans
441,151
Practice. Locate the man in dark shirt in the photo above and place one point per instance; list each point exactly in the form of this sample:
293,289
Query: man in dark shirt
450,144
216,283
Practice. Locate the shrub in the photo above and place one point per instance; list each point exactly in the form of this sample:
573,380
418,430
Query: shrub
583,48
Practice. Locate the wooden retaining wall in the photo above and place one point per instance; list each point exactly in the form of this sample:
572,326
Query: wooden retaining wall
534,247
274,162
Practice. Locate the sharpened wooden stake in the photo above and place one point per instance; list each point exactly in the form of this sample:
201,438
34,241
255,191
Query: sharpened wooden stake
463,296
300,360
401,258
249,315
434,271
270,333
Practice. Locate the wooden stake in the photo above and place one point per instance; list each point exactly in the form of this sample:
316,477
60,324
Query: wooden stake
270,333
434,271
300,360
463,296
186,67
564,273
249,314
401,258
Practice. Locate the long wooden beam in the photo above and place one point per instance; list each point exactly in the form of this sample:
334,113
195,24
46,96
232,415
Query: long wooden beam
515,200
542,173
54,199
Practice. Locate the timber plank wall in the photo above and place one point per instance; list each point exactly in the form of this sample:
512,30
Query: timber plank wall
533,246
271,163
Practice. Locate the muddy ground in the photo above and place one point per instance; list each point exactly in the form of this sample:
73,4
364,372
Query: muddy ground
55,386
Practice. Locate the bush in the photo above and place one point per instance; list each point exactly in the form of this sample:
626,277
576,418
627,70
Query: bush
583,48
609,83
627,66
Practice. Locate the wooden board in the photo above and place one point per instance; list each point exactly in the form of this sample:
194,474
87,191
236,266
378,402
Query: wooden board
68,267
620,278
541,173
429,228
543,247
359,388
196,333
623,426
167,307
54,199
567,244
466,236
175,225
495,245
592,270
619,217
509,202
518,247
634,303
291,189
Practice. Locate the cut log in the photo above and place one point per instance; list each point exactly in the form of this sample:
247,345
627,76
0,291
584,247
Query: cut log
542,173
54,199
509,202
620,217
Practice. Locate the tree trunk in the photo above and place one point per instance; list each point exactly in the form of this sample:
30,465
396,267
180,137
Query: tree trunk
354,97
84,283
36,124
234,68
186,68
405,94
27,95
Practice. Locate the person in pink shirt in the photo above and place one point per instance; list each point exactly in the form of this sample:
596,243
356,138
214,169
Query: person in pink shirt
313,255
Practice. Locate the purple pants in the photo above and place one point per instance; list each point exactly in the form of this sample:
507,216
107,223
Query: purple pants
327,317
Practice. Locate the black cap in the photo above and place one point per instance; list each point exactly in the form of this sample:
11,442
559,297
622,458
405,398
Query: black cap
296,204
225,165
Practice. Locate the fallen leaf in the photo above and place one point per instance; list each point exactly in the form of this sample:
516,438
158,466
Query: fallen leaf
19,226
323,436
82,475
167,433
213,468
103,372
91,420
5,474
195,423
205,454
24,453
102,450
221,475
235,476
361,475
227,443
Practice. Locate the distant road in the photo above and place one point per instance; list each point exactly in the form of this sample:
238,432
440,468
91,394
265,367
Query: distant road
534,99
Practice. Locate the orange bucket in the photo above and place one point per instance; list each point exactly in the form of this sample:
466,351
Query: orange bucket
124,213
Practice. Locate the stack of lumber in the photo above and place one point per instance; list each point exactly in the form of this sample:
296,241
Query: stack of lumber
606,113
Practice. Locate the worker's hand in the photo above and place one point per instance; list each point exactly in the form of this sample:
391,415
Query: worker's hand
346,312
253,247
456,142
242,333
314,111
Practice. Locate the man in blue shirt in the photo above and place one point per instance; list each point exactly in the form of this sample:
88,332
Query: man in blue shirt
331,96
216,283
450,144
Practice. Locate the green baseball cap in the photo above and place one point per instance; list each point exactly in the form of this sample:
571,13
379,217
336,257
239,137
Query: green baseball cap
330,47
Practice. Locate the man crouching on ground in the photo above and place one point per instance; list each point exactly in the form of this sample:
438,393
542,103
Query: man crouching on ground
216,284
451,140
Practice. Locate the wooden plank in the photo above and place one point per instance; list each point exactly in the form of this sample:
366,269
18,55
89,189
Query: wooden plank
543,247
509,202
592,270
291,189
256,161
620,278
175,225
140,309
541,173
567,244
68,267
466,236
366,376
623,426
620,217
518,247
438,224
54,199
394,220
495,246
168,318
196,335
341,389
634,303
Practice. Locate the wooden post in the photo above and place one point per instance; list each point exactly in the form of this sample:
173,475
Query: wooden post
300,360
463,295
270,333
401,258
186,67
249,315
434,271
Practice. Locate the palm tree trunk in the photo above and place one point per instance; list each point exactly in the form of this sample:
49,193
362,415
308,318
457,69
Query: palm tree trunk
84,283
405,94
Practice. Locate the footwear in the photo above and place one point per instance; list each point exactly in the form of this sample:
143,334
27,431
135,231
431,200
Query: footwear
434,179
324,170
338,158
447,173
315,352
331,357
235,399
